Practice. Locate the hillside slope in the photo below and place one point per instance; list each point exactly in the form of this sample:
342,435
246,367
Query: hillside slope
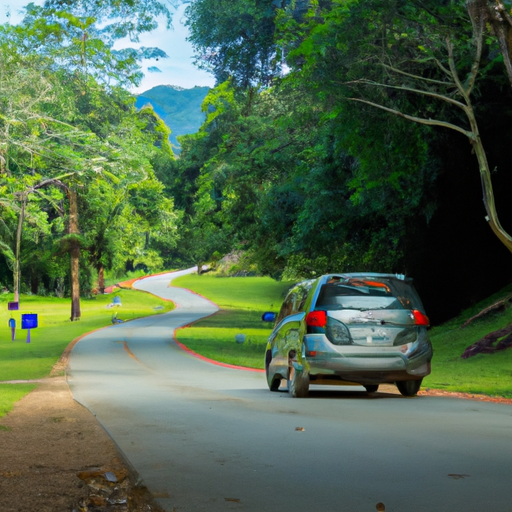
179,108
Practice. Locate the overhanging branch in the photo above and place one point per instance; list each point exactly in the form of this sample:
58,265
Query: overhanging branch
417,77
410,89
420,120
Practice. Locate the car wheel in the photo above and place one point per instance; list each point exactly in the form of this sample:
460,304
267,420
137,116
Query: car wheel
298,383
372,388
409,387
276,382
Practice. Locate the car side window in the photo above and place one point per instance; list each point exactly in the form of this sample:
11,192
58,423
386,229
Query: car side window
303,293
287,307
295,301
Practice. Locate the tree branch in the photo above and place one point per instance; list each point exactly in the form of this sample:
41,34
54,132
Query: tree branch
453,69
55,181
420,120
417,77
441,66
415,91
478,32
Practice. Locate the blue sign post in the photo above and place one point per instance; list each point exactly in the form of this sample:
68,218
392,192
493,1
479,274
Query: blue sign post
12,325
29,321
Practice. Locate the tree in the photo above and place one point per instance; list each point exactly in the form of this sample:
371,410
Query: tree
235,39
29,133
72,130
494,17
80,36
409,55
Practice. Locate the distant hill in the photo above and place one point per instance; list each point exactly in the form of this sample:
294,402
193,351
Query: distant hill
179,108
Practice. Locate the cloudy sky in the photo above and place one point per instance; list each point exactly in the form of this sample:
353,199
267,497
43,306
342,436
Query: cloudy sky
178,69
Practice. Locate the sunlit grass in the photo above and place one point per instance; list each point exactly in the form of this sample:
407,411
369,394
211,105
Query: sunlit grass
253,293
242,301
484,373
20,360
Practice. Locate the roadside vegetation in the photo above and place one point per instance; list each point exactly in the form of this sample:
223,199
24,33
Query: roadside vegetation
490,374
20,360
243,300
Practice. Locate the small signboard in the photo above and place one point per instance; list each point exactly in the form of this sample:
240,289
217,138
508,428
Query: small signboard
13,306
12,325
29,321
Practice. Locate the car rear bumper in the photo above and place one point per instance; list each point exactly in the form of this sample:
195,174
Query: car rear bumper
366,364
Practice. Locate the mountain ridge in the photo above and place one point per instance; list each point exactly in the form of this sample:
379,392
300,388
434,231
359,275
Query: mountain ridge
179,108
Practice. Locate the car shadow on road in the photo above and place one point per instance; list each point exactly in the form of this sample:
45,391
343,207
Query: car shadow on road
386,391
350,395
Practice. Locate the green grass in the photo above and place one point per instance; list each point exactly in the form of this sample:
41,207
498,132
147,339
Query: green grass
22,361
242,301
489,374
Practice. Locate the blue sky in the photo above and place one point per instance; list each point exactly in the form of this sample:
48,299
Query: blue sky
178,69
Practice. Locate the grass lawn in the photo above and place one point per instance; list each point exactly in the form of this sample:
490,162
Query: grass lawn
490,374
20,360
242,301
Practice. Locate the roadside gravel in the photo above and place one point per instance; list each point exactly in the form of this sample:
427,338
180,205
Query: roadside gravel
56,457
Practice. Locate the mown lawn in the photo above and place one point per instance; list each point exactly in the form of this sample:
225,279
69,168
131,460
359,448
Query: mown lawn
20,360
242,301
489,374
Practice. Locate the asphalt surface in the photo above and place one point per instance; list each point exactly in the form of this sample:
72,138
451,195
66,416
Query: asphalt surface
207,438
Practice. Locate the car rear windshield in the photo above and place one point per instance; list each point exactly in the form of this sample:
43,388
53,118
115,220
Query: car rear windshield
368,293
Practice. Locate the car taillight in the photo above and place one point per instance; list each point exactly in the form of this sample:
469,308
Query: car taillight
337,332
316,319
420,318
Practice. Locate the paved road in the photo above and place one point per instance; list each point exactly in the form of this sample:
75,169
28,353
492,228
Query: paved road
208,438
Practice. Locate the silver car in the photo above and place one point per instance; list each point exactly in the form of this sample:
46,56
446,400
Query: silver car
349,329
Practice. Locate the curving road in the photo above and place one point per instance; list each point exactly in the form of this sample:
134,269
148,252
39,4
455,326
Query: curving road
207,438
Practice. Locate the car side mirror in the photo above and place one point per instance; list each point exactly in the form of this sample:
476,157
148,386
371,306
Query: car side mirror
268,317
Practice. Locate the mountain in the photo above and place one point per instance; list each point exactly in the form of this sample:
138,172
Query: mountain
179,108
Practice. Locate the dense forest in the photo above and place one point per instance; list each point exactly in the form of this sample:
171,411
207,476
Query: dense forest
342,135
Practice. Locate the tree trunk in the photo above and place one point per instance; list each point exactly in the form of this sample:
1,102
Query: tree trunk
74,256
17,269
101,278
487,189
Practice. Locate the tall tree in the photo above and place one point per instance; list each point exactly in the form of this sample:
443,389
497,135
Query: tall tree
417,60
80,35
75,42
235,39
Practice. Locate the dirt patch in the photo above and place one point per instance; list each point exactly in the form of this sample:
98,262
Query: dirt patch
56,457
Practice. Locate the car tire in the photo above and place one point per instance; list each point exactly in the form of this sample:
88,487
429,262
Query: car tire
372,388
298,383
276,382
409,387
